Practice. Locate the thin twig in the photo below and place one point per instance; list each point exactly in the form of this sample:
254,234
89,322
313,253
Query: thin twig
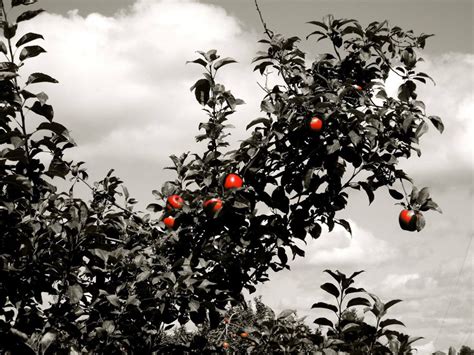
268,32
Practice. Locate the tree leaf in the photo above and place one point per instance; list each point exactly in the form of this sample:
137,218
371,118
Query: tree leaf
43,110
202,89
28,15
387,322
358,301
55,127
325,306
330,288
30,52
75,293
28,37
391,303
324,321
286,313
223,61
395,194
23,2
114,300
437,122
40,78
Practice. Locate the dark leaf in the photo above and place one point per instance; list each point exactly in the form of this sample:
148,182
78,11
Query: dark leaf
30,36
330,288
282,255
40,78
198,61
202,89
358,301
30,52
3,48
315,230
437,122
391,303
266,122
154,207
395,194
23,2
387,322
350,290
27,15
223,61
324,321
325,306
368,189
55,127
43,110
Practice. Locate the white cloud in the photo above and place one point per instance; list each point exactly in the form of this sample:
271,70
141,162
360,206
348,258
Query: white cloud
340,248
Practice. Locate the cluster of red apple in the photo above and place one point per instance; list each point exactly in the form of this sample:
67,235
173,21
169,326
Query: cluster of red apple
242,334
212,206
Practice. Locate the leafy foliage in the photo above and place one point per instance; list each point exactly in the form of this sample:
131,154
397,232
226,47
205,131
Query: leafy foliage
99,277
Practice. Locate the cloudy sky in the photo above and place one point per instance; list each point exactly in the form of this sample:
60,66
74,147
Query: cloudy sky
124,94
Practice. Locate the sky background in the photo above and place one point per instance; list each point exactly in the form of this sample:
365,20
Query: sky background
124,94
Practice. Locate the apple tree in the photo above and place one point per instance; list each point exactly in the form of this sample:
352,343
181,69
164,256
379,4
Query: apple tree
98,276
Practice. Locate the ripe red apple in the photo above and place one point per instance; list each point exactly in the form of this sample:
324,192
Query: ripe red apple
408,219
316,124
244,334
174,202
233,181
357,87
212,206
169,222
225,345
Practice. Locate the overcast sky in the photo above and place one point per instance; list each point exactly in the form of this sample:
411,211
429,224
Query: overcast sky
124,93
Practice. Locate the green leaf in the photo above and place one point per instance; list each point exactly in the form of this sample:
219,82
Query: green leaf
325,306
26,38
282,255
28,15
324,321
358,301
30,52
330,288
368,189
223,61
40,78
387,322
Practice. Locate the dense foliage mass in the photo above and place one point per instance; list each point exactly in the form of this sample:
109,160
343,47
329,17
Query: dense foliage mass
98,277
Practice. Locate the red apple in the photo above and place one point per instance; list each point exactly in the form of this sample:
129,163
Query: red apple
244,334
408,219
174,202
169,222
233,181
357,87
225,345
212,206
316,124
